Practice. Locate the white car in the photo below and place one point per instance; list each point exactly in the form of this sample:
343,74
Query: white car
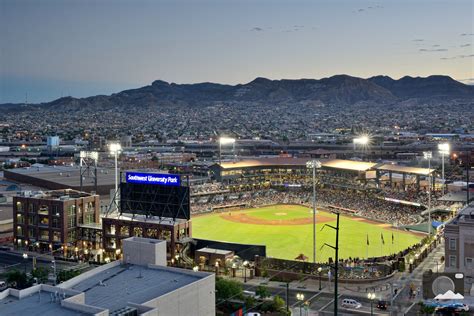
253,314
350,303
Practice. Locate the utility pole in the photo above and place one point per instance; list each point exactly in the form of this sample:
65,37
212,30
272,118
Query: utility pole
336,263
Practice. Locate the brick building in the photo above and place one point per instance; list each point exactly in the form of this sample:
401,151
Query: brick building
46,221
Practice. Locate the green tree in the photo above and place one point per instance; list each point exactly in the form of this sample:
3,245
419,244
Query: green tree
18,280
278,302
226,289
41,274
262,291
65,275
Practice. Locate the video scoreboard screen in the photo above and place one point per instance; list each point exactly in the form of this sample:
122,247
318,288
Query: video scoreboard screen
152,194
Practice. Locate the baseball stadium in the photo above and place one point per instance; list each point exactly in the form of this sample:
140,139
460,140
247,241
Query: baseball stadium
269,202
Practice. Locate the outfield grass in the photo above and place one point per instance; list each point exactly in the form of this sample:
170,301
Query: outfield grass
288,241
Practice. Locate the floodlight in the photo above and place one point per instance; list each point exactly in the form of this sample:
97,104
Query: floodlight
362,140
313,164
444,148
226,140
115,148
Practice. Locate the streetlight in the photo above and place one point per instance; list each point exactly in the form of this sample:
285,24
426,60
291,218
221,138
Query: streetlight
319,272
428,155
226,141
25,259
115,149
245,264
371,297
444,151
300,298
314,164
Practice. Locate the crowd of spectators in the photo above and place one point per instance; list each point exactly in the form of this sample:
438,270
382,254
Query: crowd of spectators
366,204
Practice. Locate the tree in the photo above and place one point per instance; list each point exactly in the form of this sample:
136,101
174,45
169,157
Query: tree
262,291
278,302
226,289
41,274
65,275
18,280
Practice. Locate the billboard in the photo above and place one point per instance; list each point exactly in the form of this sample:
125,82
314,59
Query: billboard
155,195
153,178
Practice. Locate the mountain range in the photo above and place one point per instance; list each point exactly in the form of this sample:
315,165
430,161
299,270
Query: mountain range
335,90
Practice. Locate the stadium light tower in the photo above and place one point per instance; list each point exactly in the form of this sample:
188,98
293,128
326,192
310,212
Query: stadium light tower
115,149
314,164
428,155
363,141
225,141
444,151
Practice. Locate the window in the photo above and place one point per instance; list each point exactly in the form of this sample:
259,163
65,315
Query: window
57,236
55,210
452,262
19,207
469,263
452,243
32,208
20,219
71,216
44,235
32,220
19,231
44,221
43,210
55,223
71,236
124,231
32,233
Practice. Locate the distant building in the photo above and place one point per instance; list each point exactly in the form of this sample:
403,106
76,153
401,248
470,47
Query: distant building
459,246
52,142
140,284
50,220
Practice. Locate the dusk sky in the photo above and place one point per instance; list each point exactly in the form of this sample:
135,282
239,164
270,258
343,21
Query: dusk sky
54,48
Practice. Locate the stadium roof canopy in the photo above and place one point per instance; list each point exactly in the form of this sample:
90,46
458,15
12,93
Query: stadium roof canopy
263,162
403,169
348,165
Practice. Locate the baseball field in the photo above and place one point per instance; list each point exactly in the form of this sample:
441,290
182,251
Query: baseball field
287,231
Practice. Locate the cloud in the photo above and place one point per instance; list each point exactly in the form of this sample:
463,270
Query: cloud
465,45
418,40
256,29
457,57
467,34
435,45
433,50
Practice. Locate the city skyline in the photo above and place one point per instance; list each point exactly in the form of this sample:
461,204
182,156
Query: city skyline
81,50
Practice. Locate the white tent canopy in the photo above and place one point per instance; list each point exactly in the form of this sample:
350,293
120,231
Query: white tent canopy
449,295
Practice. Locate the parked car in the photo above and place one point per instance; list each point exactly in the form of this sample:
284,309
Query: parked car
253,314
350,303
382,305
3,285
453,307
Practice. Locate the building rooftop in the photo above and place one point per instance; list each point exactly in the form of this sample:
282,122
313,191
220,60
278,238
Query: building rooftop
408,170
36,304
66,194
348,165
58,177
117,286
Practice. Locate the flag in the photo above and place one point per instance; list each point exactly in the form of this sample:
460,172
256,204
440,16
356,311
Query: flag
368,240
381,237
392,238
